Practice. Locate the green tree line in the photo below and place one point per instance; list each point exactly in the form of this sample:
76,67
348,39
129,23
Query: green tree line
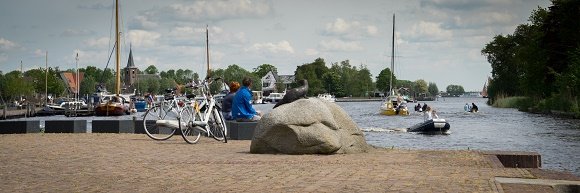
540,60
340,79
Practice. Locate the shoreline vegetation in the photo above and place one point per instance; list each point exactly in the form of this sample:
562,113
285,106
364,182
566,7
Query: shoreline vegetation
536,69
564,108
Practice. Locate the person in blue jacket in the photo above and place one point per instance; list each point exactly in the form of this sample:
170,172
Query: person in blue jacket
242,109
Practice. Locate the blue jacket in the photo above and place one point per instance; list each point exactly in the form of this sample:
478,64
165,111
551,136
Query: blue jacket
242,104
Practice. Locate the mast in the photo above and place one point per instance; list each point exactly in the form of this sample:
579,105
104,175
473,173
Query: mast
207,49
77,79
392,58
117,39
46,79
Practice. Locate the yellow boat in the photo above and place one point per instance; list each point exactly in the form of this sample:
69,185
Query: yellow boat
394,105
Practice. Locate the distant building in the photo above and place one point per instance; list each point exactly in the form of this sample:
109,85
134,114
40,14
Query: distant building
132,75
70,80
131,71
270,79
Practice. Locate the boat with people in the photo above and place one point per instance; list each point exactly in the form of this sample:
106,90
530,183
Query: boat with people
394,104
431,126
327,97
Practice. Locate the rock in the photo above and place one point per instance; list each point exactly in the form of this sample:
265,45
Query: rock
308,126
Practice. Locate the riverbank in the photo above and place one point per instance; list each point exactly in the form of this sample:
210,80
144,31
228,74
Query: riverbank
558,108
134,163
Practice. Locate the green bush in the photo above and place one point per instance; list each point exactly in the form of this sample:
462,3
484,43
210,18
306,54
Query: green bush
513,102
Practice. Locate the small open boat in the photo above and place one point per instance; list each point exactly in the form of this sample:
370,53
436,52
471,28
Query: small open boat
434,126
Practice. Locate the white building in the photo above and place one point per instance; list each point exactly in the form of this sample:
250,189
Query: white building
270,79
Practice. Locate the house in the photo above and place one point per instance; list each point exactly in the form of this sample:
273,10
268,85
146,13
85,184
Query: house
270,79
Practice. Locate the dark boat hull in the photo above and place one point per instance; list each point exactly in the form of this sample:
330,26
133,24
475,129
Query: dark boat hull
431,126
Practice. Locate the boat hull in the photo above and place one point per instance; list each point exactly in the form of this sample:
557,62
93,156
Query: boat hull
110,109
431,126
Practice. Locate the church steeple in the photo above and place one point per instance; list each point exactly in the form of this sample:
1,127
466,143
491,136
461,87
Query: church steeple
131,70
130,63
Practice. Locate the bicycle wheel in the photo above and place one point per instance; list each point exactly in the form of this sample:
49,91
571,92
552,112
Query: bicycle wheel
217,126
152,129
189,133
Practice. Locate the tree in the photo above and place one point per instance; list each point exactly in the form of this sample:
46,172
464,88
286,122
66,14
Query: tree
384,79
421,86
151,70
433,90
263,69
455,90
312,72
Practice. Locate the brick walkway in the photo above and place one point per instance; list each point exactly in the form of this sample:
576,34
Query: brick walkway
135,163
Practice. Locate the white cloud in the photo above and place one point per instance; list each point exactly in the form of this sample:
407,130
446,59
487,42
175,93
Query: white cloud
142,21
280,47
311,52
215,10
7,44
39,53
349,29
142,38
98,42
339,45
217,35
430,32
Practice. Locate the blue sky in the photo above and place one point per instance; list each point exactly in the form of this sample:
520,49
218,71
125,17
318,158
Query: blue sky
436,40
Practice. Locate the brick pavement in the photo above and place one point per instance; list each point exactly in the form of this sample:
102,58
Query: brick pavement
134,163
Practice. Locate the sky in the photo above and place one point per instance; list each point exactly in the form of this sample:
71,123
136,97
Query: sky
438,41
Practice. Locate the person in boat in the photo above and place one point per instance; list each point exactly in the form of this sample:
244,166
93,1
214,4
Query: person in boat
427,113
467,108
424,108
474,108
418,107
242,109
228,100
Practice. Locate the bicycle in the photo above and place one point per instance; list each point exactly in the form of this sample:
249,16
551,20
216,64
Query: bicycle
203,117
168,109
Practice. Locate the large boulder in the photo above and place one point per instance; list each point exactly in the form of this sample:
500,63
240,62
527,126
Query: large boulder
308,126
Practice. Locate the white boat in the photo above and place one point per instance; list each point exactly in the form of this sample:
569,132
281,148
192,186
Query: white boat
327,97
274,97
394,104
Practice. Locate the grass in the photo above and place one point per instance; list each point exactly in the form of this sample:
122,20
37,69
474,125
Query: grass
511,102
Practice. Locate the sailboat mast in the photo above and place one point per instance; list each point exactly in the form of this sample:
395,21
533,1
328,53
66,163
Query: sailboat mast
392,57
207,49
117,39
46,79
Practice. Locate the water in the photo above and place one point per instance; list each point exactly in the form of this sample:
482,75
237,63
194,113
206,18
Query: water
556,139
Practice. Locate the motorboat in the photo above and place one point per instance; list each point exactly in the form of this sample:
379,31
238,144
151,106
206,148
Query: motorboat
431,126
327,97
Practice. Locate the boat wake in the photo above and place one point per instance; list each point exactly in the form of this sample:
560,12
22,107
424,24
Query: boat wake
375,129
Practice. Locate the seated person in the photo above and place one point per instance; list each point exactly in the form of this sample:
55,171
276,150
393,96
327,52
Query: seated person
466,108
474,108
242,109
228,100
428,114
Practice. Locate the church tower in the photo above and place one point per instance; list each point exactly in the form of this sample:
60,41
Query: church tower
131,71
